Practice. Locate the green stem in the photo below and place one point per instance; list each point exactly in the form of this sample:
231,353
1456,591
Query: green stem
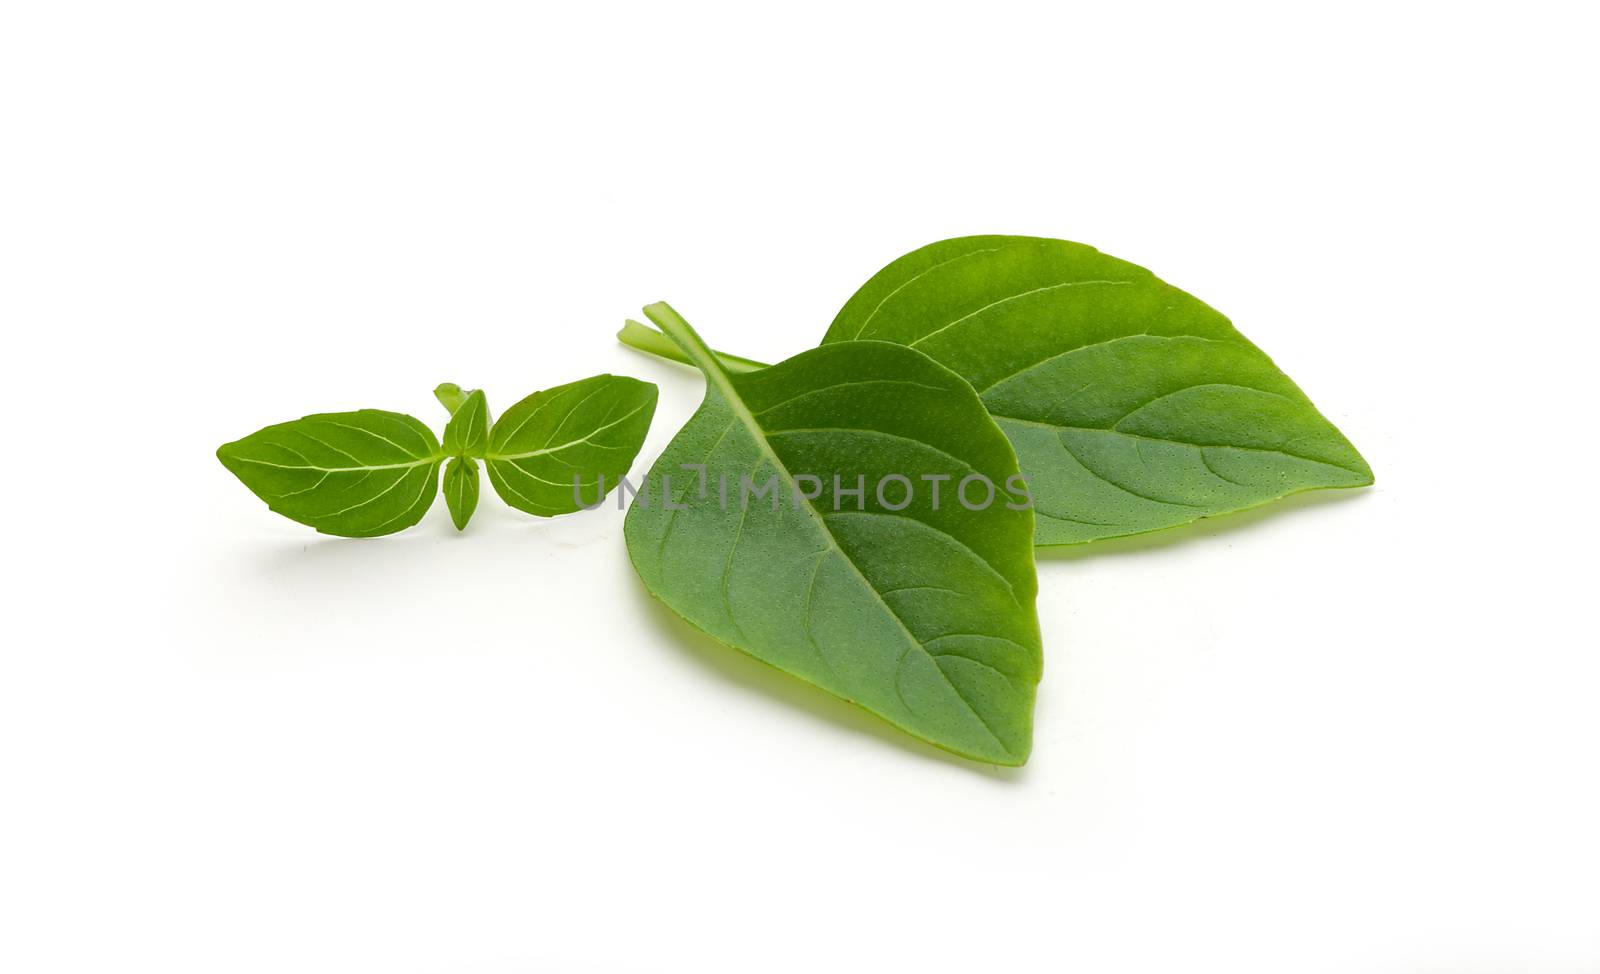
637,335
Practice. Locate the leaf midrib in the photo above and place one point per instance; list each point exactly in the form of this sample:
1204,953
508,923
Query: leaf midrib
1058,428
707,361
367,467
542,451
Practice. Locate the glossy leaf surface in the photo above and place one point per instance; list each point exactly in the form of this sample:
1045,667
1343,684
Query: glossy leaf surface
923,616
1132,405
357,474
461,490
467,433
586,430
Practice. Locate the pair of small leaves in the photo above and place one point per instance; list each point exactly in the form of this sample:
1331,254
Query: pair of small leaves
1132,406
370,472
919,612
466,437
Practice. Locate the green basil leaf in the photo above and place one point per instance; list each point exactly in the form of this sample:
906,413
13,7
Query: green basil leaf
922,615
357,475
1132,405
461,489
467,433
561,442
451,396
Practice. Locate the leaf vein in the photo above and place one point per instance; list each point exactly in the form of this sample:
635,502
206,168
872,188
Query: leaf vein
1006,300
914,279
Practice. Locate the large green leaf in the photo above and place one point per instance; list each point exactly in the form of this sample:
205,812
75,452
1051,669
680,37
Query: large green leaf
922,615
1132,405
357,474
583,431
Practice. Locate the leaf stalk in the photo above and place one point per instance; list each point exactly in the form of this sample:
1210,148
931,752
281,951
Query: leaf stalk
641,337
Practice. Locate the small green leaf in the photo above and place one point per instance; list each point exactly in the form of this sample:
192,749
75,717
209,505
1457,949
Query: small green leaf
581,432
921,613
450,395
358,474
461,489
467,433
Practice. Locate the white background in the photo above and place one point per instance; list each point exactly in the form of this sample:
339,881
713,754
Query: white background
1351,733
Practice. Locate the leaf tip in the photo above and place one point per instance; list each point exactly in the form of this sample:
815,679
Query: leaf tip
227,454
1364,471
